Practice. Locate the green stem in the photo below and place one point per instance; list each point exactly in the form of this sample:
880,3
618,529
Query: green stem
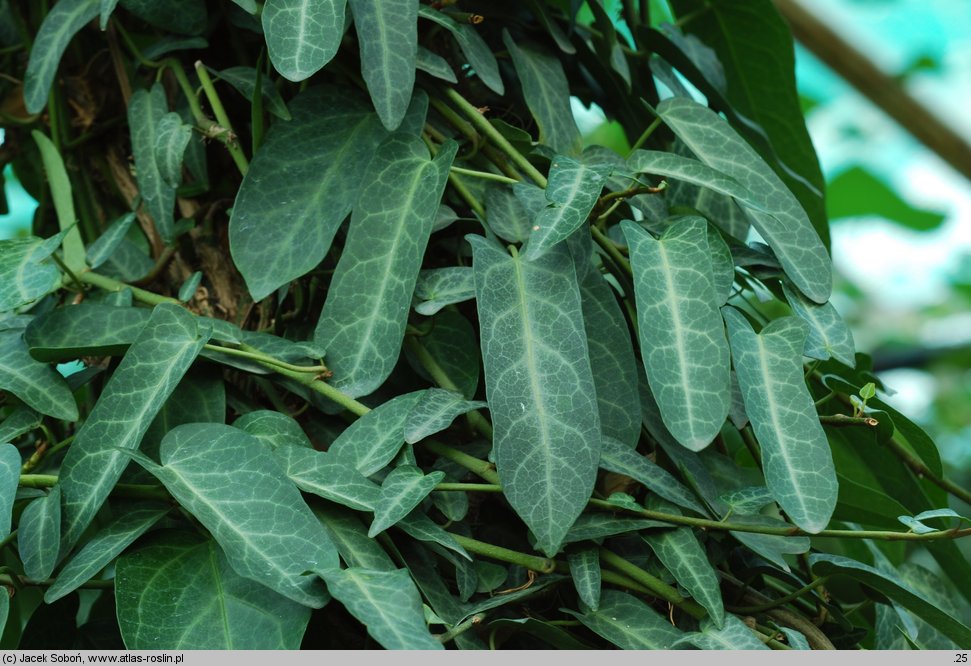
110,284
134,490
254,355
532,562
470,487
611,249
481,468
844,420
217,108
17,581
7,540
646,134
657,587
461,628
484,175
323,388
782,601
752,445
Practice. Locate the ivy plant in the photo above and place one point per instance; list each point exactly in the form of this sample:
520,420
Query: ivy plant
334,330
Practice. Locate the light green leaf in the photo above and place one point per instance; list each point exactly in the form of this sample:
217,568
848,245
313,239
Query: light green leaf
38,533
186,17
895,589
585,572
403,489
539,386
229,480
434,64
302,35
683,556
21,420
506,214
682,337
438,287
364,317
692,171
622,459
572,192
829,336
180,593
146,376
797,460
243,79
327,475
26,271
387,602
63,201
374,440
475,49
452,344
9,479
435,411
60,25
629,623
100,250
747,500
387,33
300,186
597,526
145,113
547,94
248,6
104,547
350,536
171,139
273,428
37,384
915,525
734,635
782,222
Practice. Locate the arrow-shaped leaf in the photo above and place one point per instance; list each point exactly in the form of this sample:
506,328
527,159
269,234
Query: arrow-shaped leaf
374,440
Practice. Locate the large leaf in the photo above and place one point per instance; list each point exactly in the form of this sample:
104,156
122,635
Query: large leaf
300,186
597,526
629,623
146,376
476,51
9,478
796,457
63,21
180,593
681,335
539,386
387,602
829,336
547,94
38,534
145,113
388,36
104,547
734,635
682,555
403,489
374,440
782,222
364,317
571,194
26,270
302,35
229,480
435,411
622,459
37,384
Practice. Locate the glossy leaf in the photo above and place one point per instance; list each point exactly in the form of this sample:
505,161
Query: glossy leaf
171,139
374,440
243,79
101,249
37,384
38,534
146,376
782,222
547,94
145,113
733,635
682,337
438,287
26,271
10,463
281,227
62,195
572,191
403,489
229,481
797,461
109,542
434,412
273,428
302,35
180,593
629,623
829,336
60,25
681,554
387,602
328,476
539,386
475,49
622,459
585,572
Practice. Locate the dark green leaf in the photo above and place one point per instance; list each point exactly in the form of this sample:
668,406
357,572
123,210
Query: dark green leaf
597,526
682,554
374,440
435,411
328,476
145,113
26,271
20,421
275,429
477,52
829,336
10,463
186,17
585,572
403,489
37,384
243,79
438,287
572,191
734,635
171,139
60,25
106,244
302,35
622,459
350,536
629,623
38,534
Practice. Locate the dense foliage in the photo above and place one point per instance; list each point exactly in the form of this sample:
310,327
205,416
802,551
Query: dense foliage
333,330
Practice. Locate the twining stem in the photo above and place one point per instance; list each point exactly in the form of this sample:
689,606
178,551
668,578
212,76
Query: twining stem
611,249
532,562
844,420
782,601
646,134
232,142
481,468
484,175
254,355
461,628
469,487
110,284
657,587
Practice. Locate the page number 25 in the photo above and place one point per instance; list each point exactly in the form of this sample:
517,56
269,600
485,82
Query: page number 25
961,658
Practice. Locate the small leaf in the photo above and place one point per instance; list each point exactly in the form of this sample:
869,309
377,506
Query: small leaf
571,194
145,113
868,391
186,17
190,286
585,572
419,526
60,25
26,271
403,489
435,411
20,421
475,49
10,463
63,201
302,35
37,384
434,64
622,459
629,623
734,635
747,500
100,250
915,525
682,554
171,139
506,214
38,534
371,442
243,79
328,476
438,287
275,429
829,336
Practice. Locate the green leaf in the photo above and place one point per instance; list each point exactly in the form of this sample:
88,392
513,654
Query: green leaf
229,481
452,343
300,186
186,17
539,386
63,202
571,194
387,602
419,526
302,35
829,336
350,537
434,64
100,250
748,500
99,551
796,457
10,463
171,139
388,37
475,49
275,429
243,79
26,271
782,222
795,639
734,635
364,317
146,376
629,623
180,593
883,582
87,329
60,25
403,489
682,337
506,214
145,113
683,556
371,442
915,525
21,420
107,7
189,287
438,287
857,192
547,94
597,526
328,476
722,265
38,534
772,548
435,411
622,459
585,572
692,171
37,384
